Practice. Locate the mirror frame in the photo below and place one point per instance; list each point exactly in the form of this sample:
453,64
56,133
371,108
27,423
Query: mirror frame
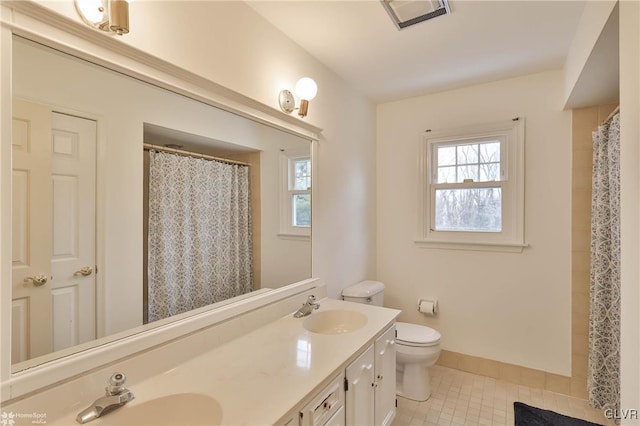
41,24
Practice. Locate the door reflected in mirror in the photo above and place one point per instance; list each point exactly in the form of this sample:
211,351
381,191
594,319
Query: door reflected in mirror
82,250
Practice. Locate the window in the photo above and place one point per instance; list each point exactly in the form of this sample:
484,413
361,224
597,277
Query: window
472,189
295,212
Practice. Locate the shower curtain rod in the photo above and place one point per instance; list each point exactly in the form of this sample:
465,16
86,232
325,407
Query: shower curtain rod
610,116
149,146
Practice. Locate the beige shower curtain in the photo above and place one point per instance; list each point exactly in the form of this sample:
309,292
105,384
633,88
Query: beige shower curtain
200,248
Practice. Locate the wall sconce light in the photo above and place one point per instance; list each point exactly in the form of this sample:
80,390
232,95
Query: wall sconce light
306,89
105,15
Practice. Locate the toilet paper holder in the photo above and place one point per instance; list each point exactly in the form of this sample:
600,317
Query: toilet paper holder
428,307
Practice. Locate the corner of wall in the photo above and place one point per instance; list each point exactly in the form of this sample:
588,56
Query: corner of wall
584,51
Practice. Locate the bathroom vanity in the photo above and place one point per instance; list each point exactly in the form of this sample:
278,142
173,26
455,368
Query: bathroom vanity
280,373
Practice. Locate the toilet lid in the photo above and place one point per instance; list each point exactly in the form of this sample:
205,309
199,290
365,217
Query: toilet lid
416,335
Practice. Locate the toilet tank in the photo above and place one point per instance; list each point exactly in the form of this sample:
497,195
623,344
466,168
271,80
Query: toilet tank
369,292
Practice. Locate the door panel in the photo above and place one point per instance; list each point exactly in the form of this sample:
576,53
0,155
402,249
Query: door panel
31,227
73,186
65,327
20,210
65,217
19,330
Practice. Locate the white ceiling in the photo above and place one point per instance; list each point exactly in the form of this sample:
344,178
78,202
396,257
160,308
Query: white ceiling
480,41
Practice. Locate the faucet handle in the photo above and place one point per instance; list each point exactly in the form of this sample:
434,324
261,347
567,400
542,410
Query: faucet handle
116,383
312,302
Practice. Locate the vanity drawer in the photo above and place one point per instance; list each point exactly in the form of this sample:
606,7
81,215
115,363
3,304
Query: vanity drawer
327,402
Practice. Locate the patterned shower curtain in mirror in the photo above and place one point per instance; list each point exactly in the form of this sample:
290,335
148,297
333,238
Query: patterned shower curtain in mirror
604,320
200,242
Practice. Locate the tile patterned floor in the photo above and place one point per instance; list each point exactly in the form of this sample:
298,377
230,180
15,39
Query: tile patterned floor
460,398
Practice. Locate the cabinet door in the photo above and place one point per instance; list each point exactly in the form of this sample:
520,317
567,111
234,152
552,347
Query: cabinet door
360,398
385,378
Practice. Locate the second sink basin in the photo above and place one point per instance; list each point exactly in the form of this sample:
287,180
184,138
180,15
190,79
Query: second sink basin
335,321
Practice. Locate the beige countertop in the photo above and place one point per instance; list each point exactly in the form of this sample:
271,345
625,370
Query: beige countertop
253,380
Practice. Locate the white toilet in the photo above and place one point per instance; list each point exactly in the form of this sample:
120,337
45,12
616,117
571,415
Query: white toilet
417,346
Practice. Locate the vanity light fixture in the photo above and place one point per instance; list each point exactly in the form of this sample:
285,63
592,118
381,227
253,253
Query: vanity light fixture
306,90
107,15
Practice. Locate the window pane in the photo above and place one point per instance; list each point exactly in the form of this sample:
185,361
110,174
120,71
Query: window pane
446,156
446,174
467,154
302,178
301,209
473,209
490,152
489,172
468,172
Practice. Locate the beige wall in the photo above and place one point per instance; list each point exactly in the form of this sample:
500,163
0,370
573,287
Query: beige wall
506,307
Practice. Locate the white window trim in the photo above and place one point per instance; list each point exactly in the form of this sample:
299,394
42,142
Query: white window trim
511,239
287,230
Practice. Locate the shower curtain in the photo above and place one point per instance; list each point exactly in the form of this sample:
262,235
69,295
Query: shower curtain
604,319
200,248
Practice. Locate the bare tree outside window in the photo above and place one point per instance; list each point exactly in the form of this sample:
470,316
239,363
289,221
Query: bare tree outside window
301,201
471,208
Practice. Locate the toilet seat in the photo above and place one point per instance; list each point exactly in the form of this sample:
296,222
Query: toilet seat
416,335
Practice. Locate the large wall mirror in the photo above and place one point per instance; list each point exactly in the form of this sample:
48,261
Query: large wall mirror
87,151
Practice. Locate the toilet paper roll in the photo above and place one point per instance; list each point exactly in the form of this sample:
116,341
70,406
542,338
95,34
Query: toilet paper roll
428,307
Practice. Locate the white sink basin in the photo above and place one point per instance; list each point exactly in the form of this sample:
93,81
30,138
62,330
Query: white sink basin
335,322
176,409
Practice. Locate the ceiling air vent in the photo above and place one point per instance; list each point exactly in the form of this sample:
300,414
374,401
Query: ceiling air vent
405,13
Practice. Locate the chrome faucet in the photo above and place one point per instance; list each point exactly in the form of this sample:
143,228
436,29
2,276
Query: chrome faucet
307,307
115,396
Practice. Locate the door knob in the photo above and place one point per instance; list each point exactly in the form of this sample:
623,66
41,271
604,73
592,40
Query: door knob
37,280
85,271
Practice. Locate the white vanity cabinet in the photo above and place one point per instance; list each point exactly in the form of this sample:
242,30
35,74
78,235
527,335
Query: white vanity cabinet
370,384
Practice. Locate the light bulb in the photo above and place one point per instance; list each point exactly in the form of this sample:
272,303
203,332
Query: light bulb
306,88
93,11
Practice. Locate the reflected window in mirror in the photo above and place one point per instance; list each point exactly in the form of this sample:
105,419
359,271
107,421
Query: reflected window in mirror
295,197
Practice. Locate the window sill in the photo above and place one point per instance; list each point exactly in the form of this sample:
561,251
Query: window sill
473,246
295,237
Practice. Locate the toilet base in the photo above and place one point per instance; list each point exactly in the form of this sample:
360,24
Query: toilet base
413,381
